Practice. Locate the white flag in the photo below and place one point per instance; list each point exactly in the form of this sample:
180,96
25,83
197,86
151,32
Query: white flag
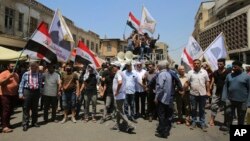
215,51
147,21
193,48
61,37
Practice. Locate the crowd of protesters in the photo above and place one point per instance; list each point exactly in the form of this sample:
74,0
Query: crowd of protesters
149,91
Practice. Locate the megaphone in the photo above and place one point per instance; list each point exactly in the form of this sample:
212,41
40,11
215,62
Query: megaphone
129,56
120,56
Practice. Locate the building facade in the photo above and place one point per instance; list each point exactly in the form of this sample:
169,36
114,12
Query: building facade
20,18
110,47
232,17
161,53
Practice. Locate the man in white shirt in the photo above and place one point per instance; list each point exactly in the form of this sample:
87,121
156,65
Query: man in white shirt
119,84
198,81
140,94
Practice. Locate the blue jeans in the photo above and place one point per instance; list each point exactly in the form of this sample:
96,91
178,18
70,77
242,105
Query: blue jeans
69,100
130,102
195,101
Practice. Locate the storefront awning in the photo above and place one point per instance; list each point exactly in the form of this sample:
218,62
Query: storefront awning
10,55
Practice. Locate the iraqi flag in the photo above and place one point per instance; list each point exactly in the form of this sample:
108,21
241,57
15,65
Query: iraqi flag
133,22
186,60
84,55
39,45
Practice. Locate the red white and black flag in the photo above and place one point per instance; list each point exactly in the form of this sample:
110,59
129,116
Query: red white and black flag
133,22
186,60
39,45
84,55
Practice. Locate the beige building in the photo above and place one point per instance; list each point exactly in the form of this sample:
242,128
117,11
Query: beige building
202,17
19,19
110,47
232,17
161,52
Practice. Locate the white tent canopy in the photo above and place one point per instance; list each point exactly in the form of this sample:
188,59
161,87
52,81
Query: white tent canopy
10,55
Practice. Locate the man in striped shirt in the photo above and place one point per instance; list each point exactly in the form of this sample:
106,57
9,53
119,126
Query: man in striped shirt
29,91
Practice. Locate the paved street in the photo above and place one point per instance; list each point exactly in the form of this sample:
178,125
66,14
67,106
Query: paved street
95,131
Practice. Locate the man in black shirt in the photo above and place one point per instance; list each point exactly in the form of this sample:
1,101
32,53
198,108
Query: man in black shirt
219,79
90,91
108,96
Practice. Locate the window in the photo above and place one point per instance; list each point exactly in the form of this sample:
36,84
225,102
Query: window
120,48
96,48
92,46
88,43
33,25
83,40
20,22
46,25
74,38
109,48
9,18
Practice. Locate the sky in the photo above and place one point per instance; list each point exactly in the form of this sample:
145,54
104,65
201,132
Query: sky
175,18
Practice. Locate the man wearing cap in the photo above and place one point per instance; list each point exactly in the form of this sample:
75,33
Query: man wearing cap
90,94
236,93
119,86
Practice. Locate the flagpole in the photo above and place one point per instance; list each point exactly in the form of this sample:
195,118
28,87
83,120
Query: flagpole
124,31
225,43
24,49
18,60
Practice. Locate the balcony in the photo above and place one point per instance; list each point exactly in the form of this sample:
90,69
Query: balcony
225,6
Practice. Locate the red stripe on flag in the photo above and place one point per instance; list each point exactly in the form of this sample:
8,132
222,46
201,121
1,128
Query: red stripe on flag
82,46
39,55
43,28
73,53
190,60
133,18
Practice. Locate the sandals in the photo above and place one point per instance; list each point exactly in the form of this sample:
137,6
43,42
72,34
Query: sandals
211,123
187,123
85,120
7,130
94,120
178,122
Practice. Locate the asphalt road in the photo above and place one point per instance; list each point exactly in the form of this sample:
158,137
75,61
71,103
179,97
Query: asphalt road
91,131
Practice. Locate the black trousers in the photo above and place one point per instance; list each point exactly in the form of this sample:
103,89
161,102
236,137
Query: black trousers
165,113
31,98
138,96
151,104
49,101
240,107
